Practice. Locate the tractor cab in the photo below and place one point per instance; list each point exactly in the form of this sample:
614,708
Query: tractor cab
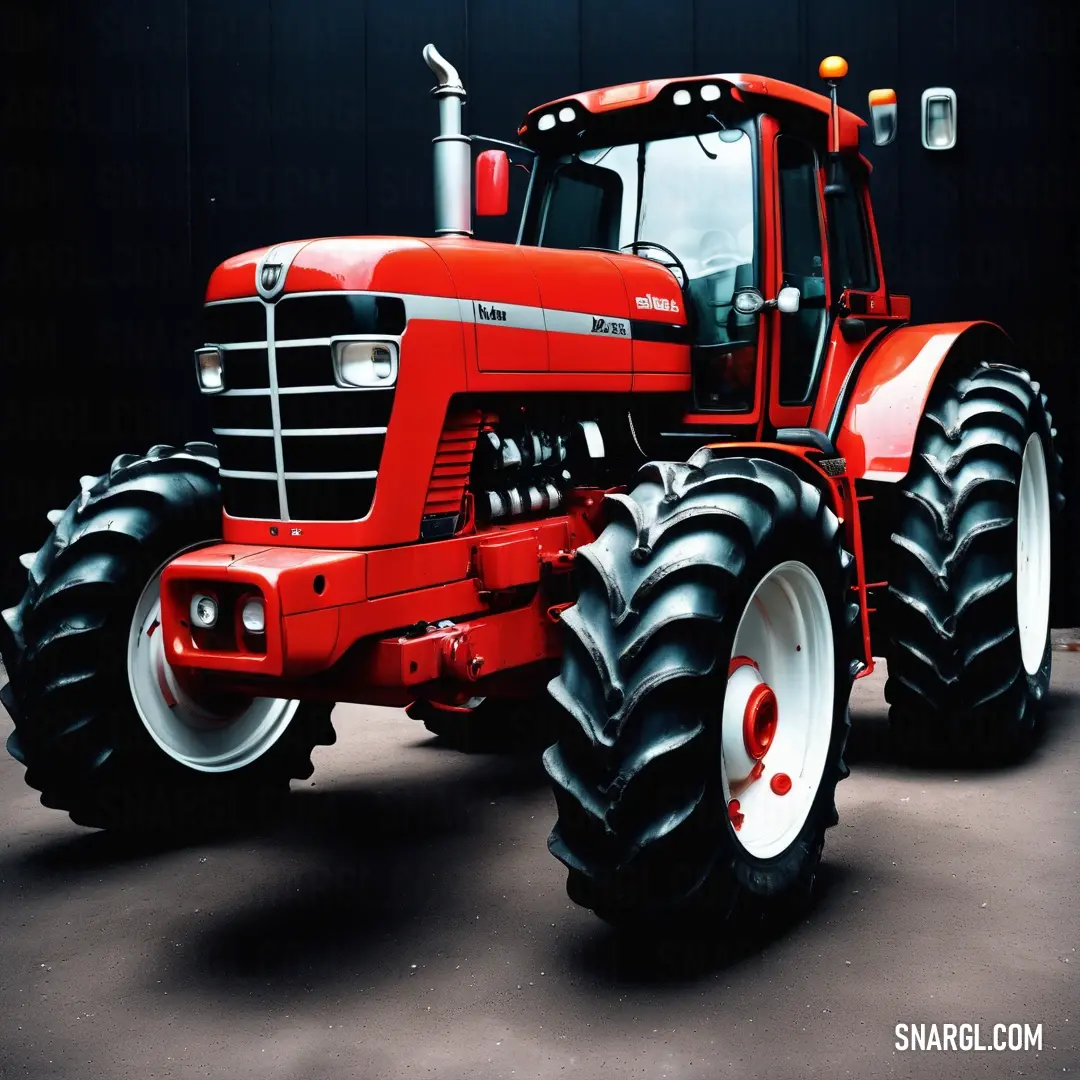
685,200
750,191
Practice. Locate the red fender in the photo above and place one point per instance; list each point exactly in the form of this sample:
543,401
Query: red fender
890,392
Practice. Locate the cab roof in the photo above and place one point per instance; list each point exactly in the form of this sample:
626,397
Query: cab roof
740,86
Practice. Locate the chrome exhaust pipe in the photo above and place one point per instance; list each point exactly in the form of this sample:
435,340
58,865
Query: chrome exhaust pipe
453,151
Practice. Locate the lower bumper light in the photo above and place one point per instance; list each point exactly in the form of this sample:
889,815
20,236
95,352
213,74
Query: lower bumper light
253,616
204,612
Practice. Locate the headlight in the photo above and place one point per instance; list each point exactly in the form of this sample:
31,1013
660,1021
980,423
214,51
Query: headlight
365,363
211,369
204,611
253,616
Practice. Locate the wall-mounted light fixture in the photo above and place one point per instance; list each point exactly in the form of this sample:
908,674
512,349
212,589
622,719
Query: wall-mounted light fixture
939,118
883,116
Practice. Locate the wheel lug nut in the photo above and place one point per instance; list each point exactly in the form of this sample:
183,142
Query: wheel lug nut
780,783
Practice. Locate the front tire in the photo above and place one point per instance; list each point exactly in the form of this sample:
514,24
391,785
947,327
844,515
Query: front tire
969,649
662,813
105,728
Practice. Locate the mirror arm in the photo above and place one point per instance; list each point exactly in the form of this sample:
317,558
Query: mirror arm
511,148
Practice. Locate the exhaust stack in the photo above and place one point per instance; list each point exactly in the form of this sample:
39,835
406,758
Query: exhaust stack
453,152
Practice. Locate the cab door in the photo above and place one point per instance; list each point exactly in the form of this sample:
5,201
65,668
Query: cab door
800,339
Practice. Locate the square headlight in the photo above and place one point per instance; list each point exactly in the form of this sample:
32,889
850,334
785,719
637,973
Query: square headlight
210,366
365,363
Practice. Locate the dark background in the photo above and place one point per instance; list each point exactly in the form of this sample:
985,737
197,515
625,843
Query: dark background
146,140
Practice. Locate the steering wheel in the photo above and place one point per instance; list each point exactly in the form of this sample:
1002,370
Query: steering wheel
674,264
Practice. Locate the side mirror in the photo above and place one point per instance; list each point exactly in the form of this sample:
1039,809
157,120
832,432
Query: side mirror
492,183
750,301
883,116
787,300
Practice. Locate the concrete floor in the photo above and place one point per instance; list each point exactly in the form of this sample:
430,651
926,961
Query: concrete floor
406,920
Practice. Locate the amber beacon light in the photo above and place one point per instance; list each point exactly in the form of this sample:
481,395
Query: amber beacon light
833,68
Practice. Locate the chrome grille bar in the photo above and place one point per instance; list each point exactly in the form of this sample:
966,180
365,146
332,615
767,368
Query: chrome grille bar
247,474
275,412
268,433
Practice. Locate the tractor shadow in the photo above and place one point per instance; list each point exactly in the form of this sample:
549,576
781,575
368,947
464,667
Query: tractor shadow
338,876
686,956
501,765
66,858
359,869
871,743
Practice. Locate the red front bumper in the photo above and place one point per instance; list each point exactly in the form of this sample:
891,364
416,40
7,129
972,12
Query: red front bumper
376,606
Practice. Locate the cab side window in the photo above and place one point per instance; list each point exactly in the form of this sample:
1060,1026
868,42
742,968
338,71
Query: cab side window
802,333
850,250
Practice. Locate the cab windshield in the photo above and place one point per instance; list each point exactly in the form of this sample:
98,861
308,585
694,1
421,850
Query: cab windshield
694,194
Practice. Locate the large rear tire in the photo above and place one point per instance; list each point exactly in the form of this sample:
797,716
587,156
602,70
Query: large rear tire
662,815
105,729
969,583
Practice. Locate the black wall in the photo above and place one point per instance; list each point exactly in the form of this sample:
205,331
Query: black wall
146,140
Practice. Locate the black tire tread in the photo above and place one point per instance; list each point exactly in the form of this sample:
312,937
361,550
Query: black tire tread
957,688
67,691
655,594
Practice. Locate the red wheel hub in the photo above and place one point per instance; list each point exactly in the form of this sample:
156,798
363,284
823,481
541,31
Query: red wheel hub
759,721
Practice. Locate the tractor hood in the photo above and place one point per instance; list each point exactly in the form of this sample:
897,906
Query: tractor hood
536,288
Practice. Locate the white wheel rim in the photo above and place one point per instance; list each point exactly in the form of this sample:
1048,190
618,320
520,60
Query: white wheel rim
786,630
1033,556
188,731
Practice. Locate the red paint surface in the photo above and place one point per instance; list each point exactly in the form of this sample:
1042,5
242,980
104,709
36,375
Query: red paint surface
890,396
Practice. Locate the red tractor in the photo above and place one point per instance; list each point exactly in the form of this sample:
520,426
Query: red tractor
678,450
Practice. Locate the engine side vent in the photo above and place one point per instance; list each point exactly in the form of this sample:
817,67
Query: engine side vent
450,475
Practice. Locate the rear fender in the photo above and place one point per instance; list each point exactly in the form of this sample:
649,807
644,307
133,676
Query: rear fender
890,392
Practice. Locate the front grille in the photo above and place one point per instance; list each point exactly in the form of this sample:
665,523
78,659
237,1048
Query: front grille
329,445
326,316
229,413
247,453
235,322
338,500
337,409
310,365
246,369
250,498
332,453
